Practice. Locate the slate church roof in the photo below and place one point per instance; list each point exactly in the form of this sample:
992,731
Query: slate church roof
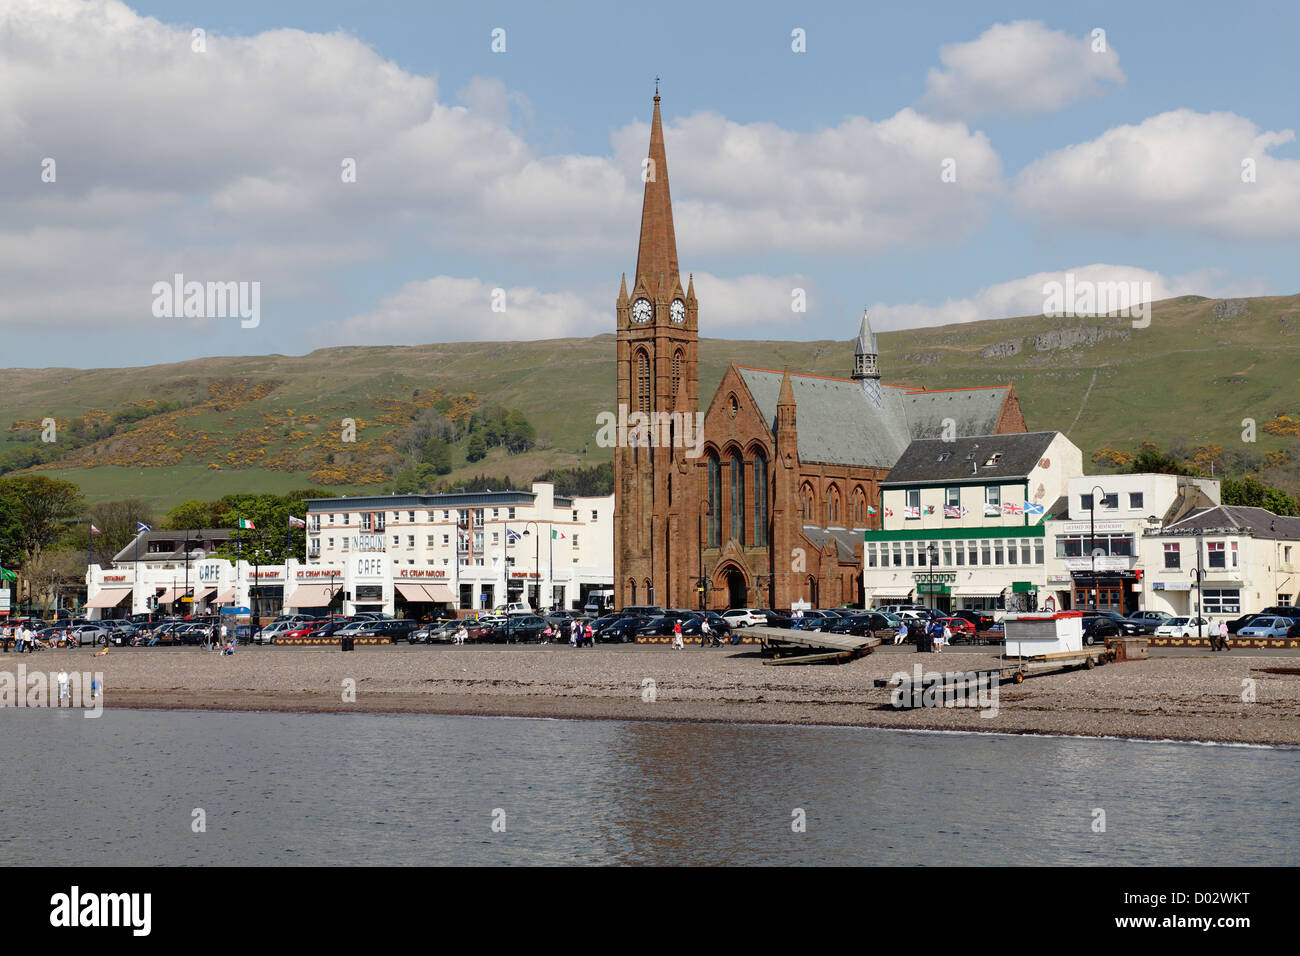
838,423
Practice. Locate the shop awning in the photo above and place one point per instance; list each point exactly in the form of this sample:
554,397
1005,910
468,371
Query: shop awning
435,593
311,595
225,597
108,597
201,593
170,594
980,591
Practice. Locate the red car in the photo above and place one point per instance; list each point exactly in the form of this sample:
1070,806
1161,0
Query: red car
959,626
306,629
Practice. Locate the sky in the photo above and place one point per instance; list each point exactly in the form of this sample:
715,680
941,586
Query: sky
374,172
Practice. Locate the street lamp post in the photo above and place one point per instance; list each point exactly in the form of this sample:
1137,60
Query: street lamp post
1092,541
932,549
537,564
187,577
1198,572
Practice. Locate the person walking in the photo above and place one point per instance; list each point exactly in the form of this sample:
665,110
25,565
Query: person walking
64,692
704,631
1223,635
677,636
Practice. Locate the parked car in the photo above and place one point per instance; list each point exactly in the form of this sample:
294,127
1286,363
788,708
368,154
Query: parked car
92,634
744,617
1127,628
1267,626
623,630
719,627
775,618
809,620
395,630
1148,621
867,624
1236,624
961,628
1293,630
979,620
517,629
306,629
1283,610
435,632
1098,627
1186,627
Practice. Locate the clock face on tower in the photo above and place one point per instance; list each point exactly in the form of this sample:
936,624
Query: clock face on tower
678,311
642,310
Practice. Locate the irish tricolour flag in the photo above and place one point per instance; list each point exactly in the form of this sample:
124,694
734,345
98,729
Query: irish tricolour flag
245,523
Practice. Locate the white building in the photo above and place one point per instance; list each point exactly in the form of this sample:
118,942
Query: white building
1128,508
1249,559
473,551
407,554
962,521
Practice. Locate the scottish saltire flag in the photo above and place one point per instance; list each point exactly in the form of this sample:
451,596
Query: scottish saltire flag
141,526
1033,509
245,523
912,511
512,535
952,511
295,522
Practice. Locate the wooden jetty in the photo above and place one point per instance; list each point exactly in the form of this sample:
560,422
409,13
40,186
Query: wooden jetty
784,646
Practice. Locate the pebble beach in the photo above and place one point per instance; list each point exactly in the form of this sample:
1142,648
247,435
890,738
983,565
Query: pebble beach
1192,697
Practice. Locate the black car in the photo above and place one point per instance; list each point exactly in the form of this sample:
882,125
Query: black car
863,625
1098,627
718,626
605,620
396,630
517,629
622,630
1244,621
1127,626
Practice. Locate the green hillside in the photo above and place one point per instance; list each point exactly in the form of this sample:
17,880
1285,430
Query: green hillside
274,423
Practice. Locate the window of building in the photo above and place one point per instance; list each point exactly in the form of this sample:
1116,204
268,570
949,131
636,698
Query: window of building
1220,601
410,541
992,500
947,554
643,380
1233,549
952,500
909,554
331,542
1025,556
496,537
1217,554
677,370
478,562
347,518
738,499
760,499
446,515
1038,552
985,553
898,554
1011,552
999,555
1135,499
913,509
446,540
428,541
993,459
714,515
871,555
345,544
1172,557
575,540
365,522
834,510
396,539
478,541
1286,554
595,515
960,554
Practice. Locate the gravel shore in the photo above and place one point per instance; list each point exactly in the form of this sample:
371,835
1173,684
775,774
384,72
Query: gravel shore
1195,697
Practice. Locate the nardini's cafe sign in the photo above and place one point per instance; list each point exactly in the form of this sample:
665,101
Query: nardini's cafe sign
367,542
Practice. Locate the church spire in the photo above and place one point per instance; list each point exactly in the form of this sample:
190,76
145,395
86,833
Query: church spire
656,259
865,354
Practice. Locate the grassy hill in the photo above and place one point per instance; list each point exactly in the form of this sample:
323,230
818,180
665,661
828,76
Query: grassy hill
274,423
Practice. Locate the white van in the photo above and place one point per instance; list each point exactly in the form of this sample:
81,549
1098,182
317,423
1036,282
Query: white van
518,607
599,601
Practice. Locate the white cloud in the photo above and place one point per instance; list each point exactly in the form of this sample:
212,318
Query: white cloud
1026,296
1178,170
1019,68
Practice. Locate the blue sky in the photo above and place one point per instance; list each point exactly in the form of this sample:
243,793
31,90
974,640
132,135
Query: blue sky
519,170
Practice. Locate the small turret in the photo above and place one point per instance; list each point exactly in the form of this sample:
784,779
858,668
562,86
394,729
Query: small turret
865,354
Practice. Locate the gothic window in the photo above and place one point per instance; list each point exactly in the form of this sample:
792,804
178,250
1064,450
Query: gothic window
760,499
738,498
833,506
677,370
643,380
807,503
715,501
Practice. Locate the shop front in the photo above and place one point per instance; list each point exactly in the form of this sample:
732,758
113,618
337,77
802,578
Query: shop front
1116,591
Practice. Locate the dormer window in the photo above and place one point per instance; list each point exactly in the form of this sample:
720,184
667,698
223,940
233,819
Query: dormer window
993,459
945,456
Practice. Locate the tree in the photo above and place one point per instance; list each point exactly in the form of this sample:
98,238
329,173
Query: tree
192,515
1253,493
1151,460
116,521
41,509
476,450
437,454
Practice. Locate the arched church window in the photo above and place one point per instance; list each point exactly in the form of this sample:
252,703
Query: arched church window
677,370
760,499
714,515
738,498
643,380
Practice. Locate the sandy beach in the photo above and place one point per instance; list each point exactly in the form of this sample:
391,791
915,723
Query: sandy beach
1197,696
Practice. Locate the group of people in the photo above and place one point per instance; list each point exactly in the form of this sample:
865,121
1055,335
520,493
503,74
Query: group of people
930,637
25,639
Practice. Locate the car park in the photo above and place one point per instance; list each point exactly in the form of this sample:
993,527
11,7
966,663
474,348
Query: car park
979,620
1267,626
305,629
719,627
268,634
1236,624
517,629
866,624
435,632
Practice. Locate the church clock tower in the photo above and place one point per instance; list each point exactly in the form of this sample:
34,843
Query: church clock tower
655,499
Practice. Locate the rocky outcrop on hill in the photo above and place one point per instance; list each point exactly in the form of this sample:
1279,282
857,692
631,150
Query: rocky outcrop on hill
1069,338
1002,349
1230,308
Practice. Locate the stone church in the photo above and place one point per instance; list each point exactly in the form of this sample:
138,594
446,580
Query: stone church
774,508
